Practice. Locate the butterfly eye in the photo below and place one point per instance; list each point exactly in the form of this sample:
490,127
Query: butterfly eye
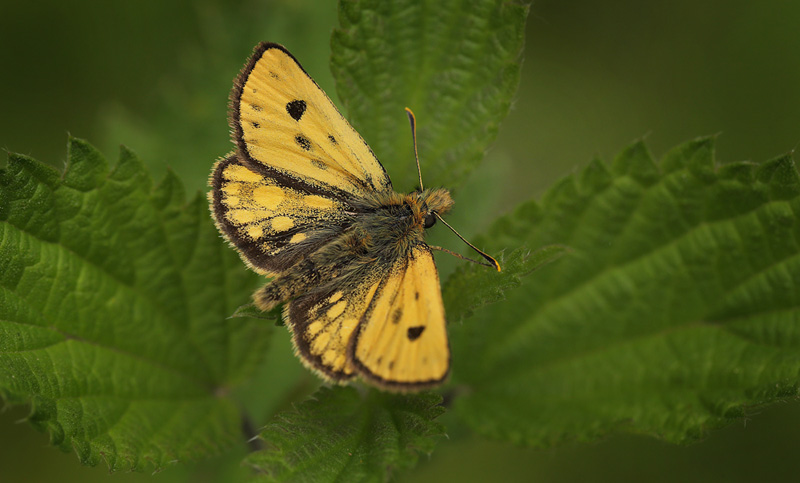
430,219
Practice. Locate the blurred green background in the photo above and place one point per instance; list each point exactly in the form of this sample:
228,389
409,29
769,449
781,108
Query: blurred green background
597,75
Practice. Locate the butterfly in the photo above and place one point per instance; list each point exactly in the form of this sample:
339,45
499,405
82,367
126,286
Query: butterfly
304,200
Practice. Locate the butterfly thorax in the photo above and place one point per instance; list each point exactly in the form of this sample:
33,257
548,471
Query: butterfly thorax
395,222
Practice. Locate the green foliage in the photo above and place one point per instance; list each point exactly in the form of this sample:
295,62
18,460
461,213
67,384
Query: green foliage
114,300
472,287
455,66
651,298
670,312
343,435
675,312
250,310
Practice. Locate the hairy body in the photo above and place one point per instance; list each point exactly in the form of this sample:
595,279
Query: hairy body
383,228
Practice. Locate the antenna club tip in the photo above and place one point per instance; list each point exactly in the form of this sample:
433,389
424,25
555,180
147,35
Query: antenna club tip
490,259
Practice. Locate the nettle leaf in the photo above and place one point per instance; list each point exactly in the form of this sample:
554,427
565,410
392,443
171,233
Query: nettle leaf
114,300
455,66
343,435
676,310
473,287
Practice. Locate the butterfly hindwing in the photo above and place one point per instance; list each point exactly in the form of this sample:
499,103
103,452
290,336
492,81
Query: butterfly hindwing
288,129
271,224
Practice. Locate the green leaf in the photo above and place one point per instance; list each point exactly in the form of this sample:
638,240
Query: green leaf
473,286
343,435
252,311
676,310
455,66
114,300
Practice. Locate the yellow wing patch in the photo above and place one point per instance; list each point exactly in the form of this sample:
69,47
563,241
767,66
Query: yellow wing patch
402,342
283,120
271,225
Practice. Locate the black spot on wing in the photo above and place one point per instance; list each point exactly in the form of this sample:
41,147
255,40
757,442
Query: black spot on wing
256,125
256,108
319,164
397,315
303,142
296,109
416,295
332,139
415,332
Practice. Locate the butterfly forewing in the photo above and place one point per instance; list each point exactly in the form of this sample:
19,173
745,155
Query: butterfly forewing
402,340
283,122
385,322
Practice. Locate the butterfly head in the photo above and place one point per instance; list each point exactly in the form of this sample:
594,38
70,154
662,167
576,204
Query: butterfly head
428,203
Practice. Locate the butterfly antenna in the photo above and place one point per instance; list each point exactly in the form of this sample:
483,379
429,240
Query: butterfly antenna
413,121
492,262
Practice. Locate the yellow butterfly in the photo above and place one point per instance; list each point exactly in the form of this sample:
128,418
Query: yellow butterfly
304,200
